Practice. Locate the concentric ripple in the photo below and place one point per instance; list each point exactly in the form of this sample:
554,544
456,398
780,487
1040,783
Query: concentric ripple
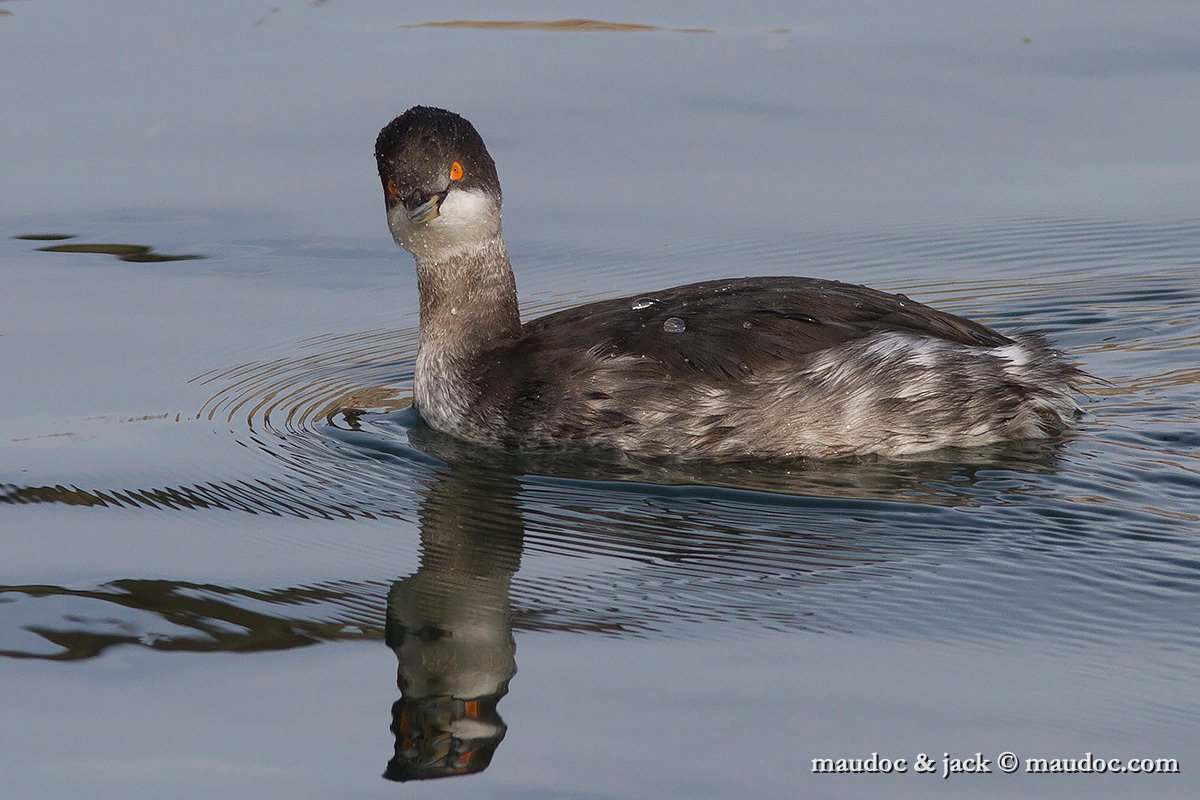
896,548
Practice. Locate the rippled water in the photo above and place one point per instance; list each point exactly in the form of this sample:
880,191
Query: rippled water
236,562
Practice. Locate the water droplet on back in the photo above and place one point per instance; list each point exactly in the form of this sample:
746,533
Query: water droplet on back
674,325
643,302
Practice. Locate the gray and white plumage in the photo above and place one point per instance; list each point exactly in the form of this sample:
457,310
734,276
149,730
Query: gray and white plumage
770,367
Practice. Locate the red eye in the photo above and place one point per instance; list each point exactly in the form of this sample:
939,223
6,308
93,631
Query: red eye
456,171
391,188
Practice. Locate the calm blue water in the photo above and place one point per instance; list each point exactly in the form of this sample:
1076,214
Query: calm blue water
235,564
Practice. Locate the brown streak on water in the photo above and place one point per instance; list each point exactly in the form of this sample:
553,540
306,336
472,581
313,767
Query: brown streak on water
572,25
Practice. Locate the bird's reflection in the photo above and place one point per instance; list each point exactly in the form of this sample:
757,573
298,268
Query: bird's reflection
450,625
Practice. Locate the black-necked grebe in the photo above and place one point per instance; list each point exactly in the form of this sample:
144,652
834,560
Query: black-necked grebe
771,368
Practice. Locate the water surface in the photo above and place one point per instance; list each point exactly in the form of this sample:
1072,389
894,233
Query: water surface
237,564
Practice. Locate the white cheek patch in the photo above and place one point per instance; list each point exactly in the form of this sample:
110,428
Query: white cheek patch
466,215
467,220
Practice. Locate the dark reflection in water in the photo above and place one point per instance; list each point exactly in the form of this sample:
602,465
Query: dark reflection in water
138,253
202,618
450,624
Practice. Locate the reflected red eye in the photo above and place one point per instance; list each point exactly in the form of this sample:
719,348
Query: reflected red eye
391,188
456,171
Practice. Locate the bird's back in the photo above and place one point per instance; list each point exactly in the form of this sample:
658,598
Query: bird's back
773,367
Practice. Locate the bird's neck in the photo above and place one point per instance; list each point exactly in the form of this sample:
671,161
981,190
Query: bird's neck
468,305
468,301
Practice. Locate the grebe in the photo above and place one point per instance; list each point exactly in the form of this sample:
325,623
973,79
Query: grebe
760,368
